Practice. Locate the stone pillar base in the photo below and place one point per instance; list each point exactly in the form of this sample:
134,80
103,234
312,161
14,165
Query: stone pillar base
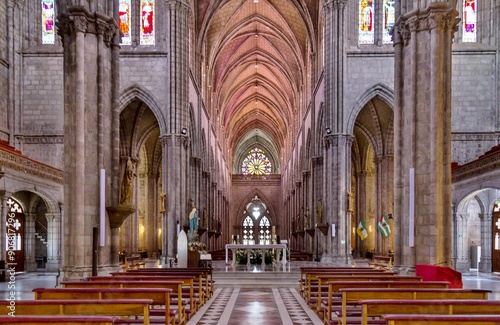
52,266
485,267
337,260
463,265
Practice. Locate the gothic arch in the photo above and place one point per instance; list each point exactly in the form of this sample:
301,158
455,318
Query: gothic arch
248,198
135,91
377,90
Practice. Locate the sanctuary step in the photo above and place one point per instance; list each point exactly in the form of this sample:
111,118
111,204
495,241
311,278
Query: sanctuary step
253,277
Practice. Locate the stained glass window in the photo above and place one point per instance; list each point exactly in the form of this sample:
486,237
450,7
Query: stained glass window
147,22
256,163
366,15
248,231
124,21
264,231
389,18
48,34
470,21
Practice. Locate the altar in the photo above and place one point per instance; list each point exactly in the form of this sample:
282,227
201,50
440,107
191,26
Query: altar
278,248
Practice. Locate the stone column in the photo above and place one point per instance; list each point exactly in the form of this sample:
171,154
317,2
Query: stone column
3,210
486,243
29,242
384,167
337,188
422,132
362,212
175,152
86,35
462,263
53,241
153,208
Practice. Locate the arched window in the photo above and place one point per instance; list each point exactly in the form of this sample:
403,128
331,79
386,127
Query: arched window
137,25
48,33
124,21
389,18
369,18
256,163
470,21
366,16
256,224
147,22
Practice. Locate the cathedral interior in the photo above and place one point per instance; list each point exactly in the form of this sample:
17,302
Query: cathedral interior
317,123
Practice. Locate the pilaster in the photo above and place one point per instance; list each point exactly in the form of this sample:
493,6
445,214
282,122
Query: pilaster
53,241
462,263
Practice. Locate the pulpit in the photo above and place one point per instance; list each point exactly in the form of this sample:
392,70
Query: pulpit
193,258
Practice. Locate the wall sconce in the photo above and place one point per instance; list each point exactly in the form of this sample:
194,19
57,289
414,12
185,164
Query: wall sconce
328,130
184,131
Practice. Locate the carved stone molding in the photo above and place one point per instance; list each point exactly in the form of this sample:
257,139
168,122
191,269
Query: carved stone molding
23,164
482,165
43,139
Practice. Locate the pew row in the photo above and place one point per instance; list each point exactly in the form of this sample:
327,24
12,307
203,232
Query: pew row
187,287
136,311
350,297
335,286
174,285
394,319
376,308
160,298
59,320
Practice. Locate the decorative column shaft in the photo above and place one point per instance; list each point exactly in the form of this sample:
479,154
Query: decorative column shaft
53,241
86,37
462,263
422,134
29,242
486,243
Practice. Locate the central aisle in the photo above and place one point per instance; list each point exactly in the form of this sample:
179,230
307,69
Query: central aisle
255,306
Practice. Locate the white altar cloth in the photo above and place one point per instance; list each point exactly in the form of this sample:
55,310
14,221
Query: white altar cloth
277,247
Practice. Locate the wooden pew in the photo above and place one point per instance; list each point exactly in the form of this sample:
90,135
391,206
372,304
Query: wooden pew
59,320
160,297
335,286
381,262
176,301
328,269
311,281
377,308
200,290
132,308
350,296
187,286
394,319
133,263
207,274
323,279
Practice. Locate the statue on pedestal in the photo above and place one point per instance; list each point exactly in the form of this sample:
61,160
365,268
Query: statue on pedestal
127,189
308,218
193,219
320,212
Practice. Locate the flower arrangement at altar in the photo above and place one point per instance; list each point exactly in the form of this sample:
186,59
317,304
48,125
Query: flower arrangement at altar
255,257
197,246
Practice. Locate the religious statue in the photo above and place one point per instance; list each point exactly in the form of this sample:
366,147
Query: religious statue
163,202
299,226
320,212
213,225
308,218
127,189
193,219
204,218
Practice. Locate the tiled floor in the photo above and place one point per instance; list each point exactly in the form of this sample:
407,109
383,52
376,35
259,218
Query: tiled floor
233,305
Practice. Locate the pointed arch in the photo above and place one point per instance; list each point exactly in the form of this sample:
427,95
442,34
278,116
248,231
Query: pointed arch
135,91
377,90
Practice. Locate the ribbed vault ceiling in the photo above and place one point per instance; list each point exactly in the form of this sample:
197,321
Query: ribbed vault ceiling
256,53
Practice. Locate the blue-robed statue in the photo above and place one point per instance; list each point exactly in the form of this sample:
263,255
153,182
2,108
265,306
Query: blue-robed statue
193,219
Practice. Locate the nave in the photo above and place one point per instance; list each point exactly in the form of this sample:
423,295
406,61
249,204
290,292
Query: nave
249,295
